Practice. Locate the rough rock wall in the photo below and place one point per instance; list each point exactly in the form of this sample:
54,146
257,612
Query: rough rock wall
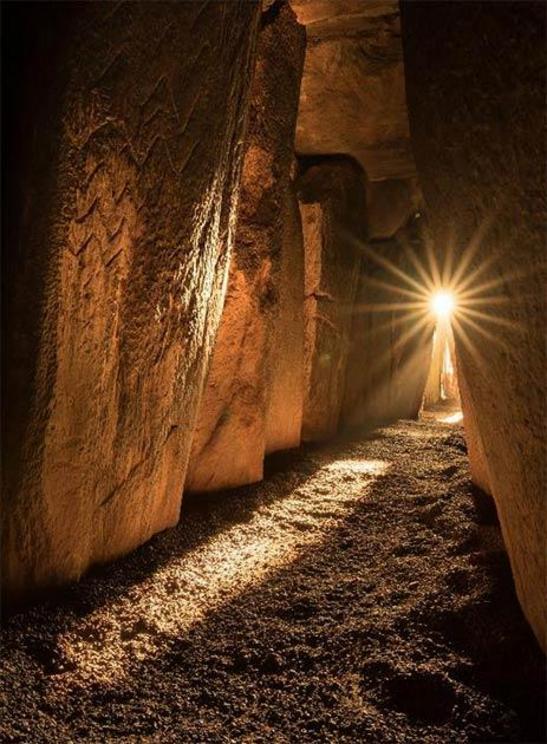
253,398
478,463
332,197
286,345
390,354
476,97
123,144
390,203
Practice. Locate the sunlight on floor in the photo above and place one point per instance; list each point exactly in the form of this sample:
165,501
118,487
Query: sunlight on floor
189,588
453,418
372,467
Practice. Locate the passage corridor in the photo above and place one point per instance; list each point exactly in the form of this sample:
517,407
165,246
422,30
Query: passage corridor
361,592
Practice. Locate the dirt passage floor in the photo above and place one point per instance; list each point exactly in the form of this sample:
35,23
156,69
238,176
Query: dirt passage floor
358,594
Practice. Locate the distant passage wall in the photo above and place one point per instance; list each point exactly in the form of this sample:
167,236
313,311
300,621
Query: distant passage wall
332,197
390,350
252,401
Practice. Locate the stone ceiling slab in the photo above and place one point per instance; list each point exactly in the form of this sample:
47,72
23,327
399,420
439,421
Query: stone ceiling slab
352,98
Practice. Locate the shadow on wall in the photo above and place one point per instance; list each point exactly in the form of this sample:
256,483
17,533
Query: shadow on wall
391,343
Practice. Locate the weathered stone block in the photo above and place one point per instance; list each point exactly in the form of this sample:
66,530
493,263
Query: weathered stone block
125,168
252,402
353,90
285,404
332,197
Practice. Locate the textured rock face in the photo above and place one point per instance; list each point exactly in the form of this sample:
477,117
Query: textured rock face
286,344
352,99
389,355
332,202
252,402
390,203
475,115
478,464
120,226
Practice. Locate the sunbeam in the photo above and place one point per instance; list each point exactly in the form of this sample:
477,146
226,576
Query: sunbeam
440,288
235,560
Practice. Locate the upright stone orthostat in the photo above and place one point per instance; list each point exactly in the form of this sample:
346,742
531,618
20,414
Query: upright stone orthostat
332,197
476,99
478,464
285,403
252,401
125,169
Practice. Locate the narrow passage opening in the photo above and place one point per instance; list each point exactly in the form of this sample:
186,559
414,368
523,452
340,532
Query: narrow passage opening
442,392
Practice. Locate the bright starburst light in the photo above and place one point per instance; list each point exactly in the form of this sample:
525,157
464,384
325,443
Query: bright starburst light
416,290
442,304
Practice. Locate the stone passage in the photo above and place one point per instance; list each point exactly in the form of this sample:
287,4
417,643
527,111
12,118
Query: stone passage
172,319
222,226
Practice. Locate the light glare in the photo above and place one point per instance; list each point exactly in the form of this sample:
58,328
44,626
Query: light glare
453,418
442,304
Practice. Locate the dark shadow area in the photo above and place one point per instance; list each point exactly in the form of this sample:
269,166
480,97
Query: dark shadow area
485,506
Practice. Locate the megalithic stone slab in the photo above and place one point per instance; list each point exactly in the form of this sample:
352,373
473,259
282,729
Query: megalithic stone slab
476,82
123,177
353,90
390,350
252,401
332,195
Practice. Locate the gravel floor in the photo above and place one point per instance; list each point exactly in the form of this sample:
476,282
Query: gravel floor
359,594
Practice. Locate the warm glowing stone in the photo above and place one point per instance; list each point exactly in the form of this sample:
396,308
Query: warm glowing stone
442,304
